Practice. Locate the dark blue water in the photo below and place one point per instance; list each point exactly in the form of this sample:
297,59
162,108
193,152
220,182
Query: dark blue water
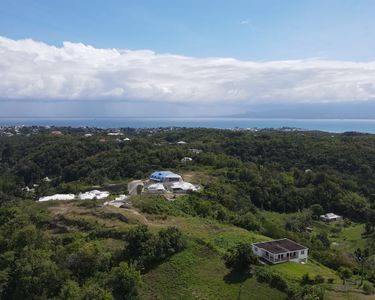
330,125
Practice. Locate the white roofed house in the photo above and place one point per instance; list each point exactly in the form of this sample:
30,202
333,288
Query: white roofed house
182,187
279,251
330,217
156,188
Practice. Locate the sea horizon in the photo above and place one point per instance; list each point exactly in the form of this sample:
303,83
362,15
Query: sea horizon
333,125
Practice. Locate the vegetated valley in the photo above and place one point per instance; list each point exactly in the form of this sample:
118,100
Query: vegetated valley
254,186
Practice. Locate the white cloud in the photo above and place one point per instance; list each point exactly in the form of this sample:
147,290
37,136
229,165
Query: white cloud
34,70
244,22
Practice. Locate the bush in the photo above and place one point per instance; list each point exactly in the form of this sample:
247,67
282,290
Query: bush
144,248
248,221
273,279
368,288
124,281
319,279
240,257
331,280
170,241
278,282
306,279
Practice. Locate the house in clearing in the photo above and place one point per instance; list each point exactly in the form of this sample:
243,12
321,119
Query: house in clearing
156,188
165,177
182,187
330,217
279,251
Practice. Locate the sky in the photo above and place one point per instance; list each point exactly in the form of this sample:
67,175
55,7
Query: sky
266,58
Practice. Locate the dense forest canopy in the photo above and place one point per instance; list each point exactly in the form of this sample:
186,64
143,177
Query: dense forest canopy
245,174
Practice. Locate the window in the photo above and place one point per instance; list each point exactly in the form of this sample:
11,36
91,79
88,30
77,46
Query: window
302,251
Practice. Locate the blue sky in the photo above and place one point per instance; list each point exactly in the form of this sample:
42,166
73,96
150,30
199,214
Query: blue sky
251,30
261,45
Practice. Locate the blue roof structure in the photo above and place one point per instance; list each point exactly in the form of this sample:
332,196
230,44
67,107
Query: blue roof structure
161,175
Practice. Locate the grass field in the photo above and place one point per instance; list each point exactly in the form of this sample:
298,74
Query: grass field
295,271
199,273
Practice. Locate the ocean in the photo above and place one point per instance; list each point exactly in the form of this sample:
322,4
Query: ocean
329,125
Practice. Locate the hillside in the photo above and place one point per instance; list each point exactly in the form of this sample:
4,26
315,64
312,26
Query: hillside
254,186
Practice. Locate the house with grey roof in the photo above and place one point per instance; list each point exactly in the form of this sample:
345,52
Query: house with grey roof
279,251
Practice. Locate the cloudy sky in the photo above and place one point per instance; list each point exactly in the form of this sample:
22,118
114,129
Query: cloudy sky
266,58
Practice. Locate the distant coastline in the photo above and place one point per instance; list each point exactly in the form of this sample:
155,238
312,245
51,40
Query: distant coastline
327,125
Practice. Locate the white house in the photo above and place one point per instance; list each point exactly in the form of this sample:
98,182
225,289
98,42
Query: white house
183,187
156,188
330,217
283,250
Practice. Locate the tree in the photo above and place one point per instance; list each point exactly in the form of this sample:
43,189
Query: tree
316,211
170,241
361,257
141,246
70,291
345,274
124,281
240,257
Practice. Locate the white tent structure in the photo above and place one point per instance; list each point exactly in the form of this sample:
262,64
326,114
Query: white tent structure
94,194
57,197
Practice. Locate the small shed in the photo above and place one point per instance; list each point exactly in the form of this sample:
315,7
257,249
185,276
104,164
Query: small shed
330,217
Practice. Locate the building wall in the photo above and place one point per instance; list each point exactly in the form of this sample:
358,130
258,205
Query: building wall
303,254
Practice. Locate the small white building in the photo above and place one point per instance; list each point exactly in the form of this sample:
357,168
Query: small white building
181,143
156,188
279,251
182,187
330,217
186,159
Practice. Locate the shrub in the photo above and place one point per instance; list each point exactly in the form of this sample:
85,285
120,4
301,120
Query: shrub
248,221
144,248
330,280
306,279
273,279
368,288
240,257
263,275
278,282
318,279
170,241
124,281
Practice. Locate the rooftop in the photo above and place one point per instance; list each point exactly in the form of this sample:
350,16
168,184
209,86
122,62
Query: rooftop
280,246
